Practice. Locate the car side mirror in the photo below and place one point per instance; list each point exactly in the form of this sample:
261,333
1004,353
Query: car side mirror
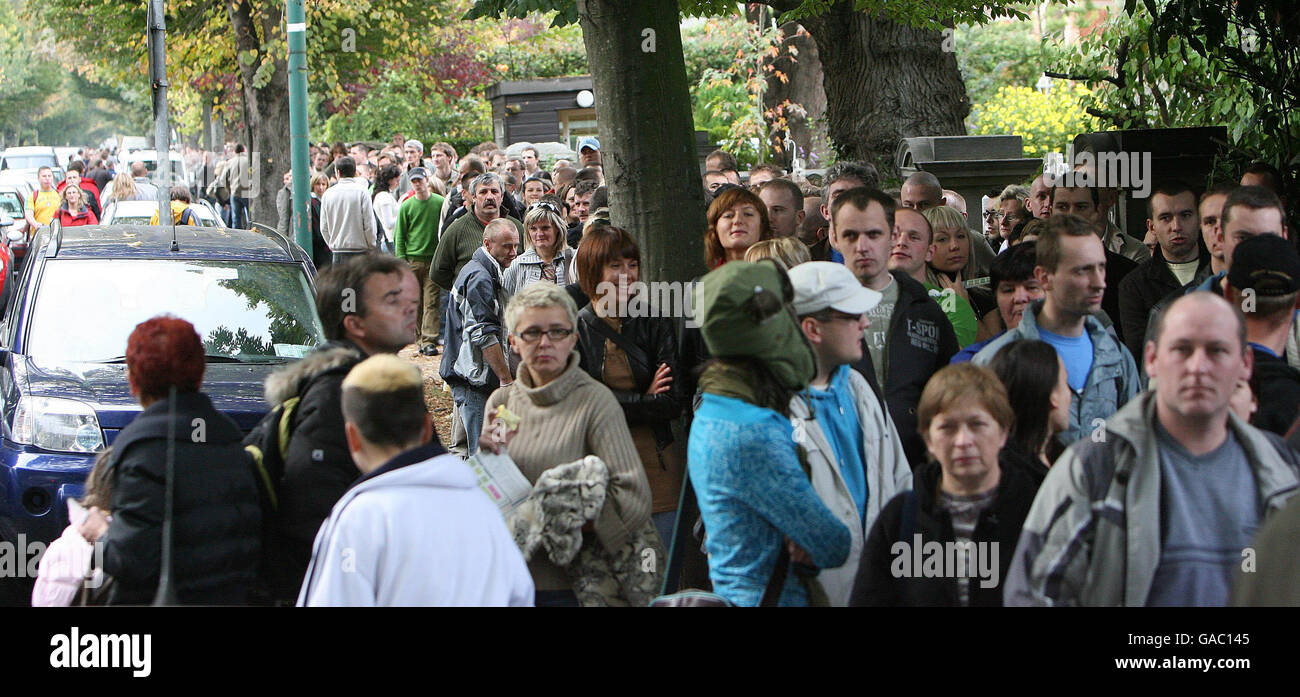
14,236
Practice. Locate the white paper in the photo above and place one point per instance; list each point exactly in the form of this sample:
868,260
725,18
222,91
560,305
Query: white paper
500,479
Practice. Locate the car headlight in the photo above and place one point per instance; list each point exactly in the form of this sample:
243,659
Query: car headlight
64,425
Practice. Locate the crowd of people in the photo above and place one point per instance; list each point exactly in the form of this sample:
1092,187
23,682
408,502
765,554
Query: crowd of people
1077,416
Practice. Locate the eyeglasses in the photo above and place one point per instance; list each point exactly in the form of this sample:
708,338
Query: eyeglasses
532,335
832,315
546,205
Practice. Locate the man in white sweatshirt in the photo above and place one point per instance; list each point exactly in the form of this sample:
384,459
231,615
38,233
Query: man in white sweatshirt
347,216
415,529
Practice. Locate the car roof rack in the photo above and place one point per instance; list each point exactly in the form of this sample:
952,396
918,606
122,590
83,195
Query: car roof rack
56,237
275,234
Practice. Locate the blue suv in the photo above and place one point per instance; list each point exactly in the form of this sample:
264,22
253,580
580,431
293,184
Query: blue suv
63,388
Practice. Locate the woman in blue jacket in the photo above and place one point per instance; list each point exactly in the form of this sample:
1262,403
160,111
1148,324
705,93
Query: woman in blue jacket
755,498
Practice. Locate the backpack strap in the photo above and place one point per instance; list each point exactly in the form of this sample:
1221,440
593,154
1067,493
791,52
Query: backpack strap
907,525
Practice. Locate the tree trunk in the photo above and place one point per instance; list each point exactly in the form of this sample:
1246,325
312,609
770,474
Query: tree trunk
885,81
800,99
267,107
647,135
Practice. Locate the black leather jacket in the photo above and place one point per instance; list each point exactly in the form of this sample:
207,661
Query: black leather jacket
654,335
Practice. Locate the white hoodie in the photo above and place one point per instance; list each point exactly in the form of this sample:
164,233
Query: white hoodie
422,533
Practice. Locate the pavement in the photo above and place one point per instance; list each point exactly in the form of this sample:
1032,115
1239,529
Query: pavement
436,394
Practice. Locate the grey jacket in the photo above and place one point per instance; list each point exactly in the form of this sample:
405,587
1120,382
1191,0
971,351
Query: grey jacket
1093,534
527,268
1112,382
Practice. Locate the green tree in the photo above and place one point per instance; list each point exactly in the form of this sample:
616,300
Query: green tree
1187,63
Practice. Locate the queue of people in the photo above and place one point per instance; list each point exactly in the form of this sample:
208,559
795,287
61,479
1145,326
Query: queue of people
907,411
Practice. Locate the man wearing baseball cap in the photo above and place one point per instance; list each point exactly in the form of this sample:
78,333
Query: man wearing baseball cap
413,151
415,240
854,452
589,151
1264,283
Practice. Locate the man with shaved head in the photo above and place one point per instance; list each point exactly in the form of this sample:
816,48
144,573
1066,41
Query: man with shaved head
1157,507
921,192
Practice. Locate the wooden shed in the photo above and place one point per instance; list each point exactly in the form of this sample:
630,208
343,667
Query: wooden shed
541,111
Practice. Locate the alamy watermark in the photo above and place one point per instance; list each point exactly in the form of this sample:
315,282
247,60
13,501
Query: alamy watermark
1119,170
954,559
655,299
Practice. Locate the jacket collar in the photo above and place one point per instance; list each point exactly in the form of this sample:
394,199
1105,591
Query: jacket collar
556,390
415,455
482,257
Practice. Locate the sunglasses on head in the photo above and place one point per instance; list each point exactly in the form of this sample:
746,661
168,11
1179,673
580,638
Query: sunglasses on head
546,205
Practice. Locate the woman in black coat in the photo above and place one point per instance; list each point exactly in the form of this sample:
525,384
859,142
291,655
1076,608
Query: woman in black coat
911,556
636,357
217,515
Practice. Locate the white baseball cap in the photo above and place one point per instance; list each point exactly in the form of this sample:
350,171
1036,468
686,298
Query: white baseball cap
822,284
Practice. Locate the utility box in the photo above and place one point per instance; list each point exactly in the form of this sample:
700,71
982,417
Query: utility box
970,165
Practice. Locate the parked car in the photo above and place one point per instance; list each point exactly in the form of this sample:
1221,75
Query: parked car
141,212
63,389
26,162
65,155
14,199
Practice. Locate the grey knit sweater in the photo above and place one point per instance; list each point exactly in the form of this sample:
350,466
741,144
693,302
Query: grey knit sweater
565,420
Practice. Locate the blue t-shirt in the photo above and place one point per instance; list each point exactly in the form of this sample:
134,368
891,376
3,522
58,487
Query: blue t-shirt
1075,352
1209,510
837,415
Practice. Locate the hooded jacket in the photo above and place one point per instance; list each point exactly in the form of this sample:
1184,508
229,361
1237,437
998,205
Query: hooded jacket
888,472
921,341
1112,382
417,531
216,516
318,467
998,524
1093,535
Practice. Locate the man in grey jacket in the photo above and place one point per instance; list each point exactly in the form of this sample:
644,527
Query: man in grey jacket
1160,507
347,216
474,364
1071,269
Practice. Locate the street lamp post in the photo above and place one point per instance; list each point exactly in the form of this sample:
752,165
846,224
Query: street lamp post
297,30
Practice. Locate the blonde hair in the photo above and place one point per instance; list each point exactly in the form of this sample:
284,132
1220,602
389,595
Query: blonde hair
789,252
539,213
964,384
944,218
63,196
123,186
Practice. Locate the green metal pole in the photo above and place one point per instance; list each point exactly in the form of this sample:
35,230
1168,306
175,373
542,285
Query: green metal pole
297,30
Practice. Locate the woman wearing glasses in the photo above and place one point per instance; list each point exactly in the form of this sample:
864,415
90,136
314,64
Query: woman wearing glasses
565,415
548,256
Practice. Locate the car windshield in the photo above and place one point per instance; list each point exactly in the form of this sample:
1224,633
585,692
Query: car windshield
29,161
248,311
11,204
136,218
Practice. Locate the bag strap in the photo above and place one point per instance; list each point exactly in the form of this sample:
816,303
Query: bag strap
907,526
772,594
597,324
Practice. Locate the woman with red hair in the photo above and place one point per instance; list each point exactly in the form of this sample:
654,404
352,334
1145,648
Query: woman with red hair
216,517
737,219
